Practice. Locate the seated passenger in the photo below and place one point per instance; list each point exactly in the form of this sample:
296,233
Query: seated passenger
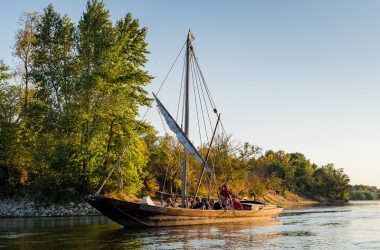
198,203
211,204
190,203
169,203
217,205
205,203
236,204
224,202
229,205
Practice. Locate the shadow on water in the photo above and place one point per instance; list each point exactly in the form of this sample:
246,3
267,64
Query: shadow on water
197,236
50,222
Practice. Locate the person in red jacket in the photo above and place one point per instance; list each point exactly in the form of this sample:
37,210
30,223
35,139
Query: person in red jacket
226,197
225,192
236,203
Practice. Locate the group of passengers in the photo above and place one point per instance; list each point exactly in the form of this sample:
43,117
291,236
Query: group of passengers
227,201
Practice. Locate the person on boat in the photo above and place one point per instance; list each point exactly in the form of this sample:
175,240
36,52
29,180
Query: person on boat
198,204
224,202
205,203
226,197
211,204
229,206
190,203
225,192
169,203
217,205
236,204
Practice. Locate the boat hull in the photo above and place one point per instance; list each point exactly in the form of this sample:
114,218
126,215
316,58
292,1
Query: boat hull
133,214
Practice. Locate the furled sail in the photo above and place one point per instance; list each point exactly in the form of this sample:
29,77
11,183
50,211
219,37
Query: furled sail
182,138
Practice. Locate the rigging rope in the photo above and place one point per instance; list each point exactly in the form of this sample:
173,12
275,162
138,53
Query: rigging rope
204,81
117,165
166,77
196,103
204,98
180,91
201,105
176,158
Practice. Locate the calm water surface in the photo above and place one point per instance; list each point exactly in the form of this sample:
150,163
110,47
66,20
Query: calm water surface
353,226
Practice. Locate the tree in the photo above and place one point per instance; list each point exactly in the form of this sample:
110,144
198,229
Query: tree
23,49
304,170
163,168
89,84
11,175
332,183
111,81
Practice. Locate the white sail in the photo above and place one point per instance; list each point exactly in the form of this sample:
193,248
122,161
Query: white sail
182,138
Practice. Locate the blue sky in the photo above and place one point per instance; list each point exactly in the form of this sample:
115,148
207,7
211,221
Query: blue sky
292,75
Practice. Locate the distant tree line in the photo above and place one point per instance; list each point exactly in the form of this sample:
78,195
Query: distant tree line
248,171
69,117
363,192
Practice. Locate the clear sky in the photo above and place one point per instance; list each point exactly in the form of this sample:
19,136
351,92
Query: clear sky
301,76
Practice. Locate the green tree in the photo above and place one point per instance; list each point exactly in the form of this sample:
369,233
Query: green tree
304,170
89,84
112,76
11,173
332,183
23,49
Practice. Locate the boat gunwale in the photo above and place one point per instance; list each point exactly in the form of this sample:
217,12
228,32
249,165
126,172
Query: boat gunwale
177,211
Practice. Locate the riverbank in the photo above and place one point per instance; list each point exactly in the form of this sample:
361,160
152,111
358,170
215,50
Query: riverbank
26,208
291,199
13,207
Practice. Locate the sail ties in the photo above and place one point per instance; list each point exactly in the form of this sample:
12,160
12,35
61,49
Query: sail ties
182,138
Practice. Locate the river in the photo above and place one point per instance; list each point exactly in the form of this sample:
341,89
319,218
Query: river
352,226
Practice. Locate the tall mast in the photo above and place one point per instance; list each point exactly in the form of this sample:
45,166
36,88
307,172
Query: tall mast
187,91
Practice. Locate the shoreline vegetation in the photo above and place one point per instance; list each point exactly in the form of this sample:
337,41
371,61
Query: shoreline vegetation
364,192
70,115
22,207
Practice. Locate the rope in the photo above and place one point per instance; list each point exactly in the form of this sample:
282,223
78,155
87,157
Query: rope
166,77
201,105
162,119
180,91
196,105
204,81
113,169
204,99
162,84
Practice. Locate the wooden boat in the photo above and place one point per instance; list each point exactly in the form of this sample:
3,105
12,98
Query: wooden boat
135,214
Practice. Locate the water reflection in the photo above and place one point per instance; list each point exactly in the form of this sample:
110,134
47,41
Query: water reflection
52,222
353,226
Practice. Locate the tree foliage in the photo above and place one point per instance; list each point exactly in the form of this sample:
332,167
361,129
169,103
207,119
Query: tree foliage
364,192
82,87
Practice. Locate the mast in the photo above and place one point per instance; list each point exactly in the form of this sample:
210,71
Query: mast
187,101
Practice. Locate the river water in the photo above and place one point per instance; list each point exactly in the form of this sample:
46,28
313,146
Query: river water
352,226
